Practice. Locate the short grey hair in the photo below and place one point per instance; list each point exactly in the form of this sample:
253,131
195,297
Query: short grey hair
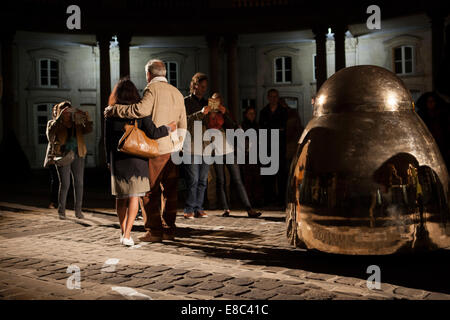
156,68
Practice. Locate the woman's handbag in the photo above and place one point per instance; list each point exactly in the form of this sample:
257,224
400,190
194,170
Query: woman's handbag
65,160
135,142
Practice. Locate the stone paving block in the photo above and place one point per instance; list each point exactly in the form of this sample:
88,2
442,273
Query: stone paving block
374,297
291,290
187,282
114,280
54,267
42,273
158,286
233,289
241,281
348,291
296,273
129,271
205,294
177,272
183,289
158,268
437,296
258,294
341,296
267,284
197,274
210,285
314,294
58,276
320,276
286,297
220,277
312,286
409,292
147,274
347,281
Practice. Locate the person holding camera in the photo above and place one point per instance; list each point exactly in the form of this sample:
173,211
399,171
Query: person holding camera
220,119
67,149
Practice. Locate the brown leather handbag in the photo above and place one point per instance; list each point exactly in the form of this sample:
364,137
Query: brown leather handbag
135,142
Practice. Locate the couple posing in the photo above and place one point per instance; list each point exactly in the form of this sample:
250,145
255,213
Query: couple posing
160,111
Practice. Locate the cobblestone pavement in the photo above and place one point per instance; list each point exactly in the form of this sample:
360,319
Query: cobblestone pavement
213,258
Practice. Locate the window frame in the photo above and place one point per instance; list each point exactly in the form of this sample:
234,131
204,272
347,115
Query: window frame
49,77
176,72
37,114
283,70
403,60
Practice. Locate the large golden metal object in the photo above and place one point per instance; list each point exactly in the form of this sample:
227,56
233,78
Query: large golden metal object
368,178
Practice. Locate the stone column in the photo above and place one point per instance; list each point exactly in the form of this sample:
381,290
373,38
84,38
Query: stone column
214,63
105,86
232,75
124,40
437,45
14,163
7,82
321,55
339,47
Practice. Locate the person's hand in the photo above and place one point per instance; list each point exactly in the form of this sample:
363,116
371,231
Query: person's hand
173,126
206,109
108,112
222,109
109,166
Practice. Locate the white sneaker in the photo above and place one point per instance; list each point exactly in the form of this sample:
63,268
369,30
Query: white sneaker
128,242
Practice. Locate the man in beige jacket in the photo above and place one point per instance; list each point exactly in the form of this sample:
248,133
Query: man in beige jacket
164,103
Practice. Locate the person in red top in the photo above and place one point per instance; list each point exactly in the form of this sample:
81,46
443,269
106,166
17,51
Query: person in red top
221,120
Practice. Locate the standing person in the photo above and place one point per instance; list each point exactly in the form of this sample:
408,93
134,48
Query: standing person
274,117
65,134
129,173
251,172
221,120
294,131
197,171
164,103
436,116
54,181
54,185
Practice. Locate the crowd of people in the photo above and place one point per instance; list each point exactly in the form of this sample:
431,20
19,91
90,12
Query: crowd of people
162,113
151,185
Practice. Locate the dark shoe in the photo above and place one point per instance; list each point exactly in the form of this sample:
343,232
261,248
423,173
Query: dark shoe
189,215
200,214
226,213
62,216
79,215
148,237
168,236
253,214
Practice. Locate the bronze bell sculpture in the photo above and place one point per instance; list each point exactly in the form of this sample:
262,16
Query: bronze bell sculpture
368,178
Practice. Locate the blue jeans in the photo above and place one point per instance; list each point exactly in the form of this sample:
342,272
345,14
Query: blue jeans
196,182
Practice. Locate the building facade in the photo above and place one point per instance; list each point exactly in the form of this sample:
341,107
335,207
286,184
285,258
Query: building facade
49,68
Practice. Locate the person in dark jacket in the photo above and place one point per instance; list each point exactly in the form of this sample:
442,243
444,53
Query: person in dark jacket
129,173
251,172
274,117
435,113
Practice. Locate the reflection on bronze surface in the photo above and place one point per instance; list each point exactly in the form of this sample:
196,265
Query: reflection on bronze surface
368,177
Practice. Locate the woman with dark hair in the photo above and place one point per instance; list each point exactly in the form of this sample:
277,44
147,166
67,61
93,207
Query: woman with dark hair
129,173
435,114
